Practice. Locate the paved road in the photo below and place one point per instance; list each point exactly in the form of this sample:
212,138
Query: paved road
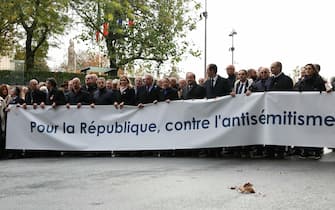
166,183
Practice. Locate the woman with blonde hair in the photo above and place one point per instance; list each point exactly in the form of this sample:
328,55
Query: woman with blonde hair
126,94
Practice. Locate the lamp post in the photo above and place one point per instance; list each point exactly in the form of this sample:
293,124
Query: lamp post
205,15
232,34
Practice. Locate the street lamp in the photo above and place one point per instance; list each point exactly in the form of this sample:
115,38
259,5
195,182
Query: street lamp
205,15
232,33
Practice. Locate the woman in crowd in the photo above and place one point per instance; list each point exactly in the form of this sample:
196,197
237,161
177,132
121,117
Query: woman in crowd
4,101
15,94
311,81
125,94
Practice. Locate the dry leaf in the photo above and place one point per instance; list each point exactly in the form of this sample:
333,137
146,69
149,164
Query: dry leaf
247,188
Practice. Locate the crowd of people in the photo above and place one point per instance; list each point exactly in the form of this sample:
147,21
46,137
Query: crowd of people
99,91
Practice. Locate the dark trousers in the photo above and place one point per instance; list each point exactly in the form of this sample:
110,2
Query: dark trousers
2,144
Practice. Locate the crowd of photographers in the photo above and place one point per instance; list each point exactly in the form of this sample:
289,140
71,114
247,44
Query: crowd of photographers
118,93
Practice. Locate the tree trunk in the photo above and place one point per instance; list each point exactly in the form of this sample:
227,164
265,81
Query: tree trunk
113,67
112,58
30,57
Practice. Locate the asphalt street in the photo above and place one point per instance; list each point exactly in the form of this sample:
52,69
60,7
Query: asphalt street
166,183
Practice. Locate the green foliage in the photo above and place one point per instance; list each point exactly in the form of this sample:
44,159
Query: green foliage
157,35
6,28
37,20
40,63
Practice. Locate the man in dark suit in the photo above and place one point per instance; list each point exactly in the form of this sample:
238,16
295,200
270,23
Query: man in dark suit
78,96
55,97
90,84
215,85
192,89
103,96
167,93
149,93
230,69
34,95
280,82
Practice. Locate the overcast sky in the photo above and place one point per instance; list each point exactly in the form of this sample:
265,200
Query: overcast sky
291,31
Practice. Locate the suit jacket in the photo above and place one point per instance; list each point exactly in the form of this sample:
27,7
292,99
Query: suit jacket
194,92
55,96
231,80
103,97
221,88
127,96
90,89
145,97
238,84
281,83
35,96
261,85
81,96
168,93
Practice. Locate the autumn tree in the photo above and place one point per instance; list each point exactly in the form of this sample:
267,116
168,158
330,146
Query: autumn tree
153,31
89,58
37,20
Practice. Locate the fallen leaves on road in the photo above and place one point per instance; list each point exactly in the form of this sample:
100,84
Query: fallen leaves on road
247,188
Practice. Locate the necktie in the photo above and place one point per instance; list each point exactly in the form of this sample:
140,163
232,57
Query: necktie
240,89
212,82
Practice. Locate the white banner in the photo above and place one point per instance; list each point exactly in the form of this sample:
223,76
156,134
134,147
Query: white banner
271,118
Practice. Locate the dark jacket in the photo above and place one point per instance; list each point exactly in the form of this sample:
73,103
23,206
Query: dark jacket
261,85
90,89
104,97
81,96
127,96
144,96
55,96
16,100
168,93
281,83
194,91
231,81
35,96
222,87
311,83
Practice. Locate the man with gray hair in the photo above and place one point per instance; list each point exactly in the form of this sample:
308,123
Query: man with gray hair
149,93
90,83
34,96
138,83
78,96
103,96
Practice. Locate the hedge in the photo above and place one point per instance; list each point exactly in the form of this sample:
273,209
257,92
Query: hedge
22,78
